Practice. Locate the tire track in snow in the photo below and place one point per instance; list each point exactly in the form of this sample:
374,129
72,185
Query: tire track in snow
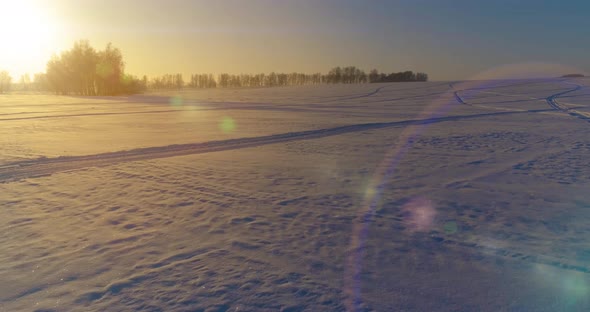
90,114
364,95
513,254
462,101
48,166
551,100
204,107
359,96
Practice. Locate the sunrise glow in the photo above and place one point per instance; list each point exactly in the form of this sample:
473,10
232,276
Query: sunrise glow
29,33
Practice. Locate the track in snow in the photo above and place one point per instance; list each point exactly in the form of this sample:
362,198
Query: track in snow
47,166
551,100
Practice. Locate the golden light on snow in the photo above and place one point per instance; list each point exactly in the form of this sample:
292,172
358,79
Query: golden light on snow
29,36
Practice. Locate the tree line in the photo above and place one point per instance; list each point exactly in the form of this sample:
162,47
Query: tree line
348,75
375,76
83,70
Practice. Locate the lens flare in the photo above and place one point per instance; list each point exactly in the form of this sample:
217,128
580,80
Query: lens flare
422,212
450,227
378,183
572,286
227,125
176,100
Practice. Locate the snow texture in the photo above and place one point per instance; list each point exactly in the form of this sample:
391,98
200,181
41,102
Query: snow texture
463,196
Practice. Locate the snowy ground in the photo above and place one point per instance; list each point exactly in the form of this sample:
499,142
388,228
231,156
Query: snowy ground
389,197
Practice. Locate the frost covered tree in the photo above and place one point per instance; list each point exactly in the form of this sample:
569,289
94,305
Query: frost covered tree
83,70
40,82
5,81
421,77
25,82
109,71
348,75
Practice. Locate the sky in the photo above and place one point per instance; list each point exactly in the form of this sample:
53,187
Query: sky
449,40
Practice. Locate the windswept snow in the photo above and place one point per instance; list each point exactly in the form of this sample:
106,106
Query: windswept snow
467,196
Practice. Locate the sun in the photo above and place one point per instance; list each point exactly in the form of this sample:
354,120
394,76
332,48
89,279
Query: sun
28,35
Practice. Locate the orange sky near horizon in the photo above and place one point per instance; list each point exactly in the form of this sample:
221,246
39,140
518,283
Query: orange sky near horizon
159,37
448,41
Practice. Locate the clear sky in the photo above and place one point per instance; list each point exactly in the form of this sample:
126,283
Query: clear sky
449,40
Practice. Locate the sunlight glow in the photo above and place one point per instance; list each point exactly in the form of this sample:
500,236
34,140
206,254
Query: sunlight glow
29,36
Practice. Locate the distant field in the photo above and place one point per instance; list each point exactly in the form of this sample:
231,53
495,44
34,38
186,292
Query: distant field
434,196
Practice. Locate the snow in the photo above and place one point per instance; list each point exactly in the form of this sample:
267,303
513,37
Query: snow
385,197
